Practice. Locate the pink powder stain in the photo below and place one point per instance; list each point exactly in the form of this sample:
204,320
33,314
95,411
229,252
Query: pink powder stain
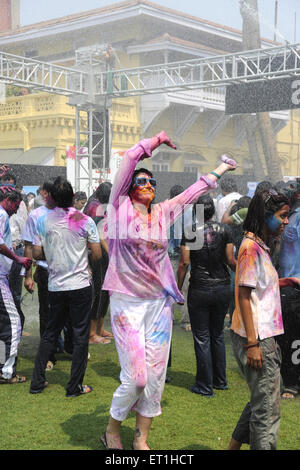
130,342
77,220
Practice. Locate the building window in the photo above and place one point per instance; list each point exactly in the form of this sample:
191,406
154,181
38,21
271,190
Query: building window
161,162
160,166
31,54
190,169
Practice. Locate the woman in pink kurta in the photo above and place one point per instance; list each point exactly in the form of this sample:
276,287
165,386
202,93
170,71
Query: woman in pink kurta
142,286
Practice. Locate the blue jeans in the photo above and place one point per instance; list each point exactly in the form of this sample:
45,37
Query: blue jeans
207,310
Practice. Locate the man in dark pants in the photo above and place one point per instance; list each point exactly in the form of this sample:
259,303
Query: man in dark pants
43,203
65,235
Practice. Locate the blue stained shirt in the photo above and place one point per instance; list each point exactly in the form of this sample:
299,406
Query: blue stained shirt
290,247
30,232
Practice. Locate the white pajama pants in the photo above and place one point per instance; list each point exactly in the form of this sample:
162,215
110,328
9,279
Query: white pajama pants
142,330
10,331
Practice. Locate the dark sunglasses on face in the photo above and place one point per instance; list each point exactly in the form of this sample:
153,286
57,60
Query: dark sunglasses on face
144,181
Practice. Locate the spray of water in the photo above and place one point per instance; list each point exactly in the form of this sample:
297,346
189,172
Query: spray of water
252,12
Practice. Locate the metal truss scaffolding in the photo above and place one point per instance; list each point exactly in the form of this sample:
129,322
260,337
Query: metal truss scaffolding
242,67
93,82
42,75
92,146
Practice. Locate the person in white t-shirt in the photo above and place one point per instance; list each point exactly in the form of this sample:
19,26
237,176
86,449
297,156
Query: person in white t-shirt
43,203
230,194
65,237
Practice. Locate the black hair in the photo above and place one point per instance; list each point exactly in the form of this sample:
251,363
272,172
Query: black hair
47,186
263,203
103,191
8,192
264,186
280,187
228,184
292,191
209,207
9,176
80,196
137,172
241,203
62,193
175,190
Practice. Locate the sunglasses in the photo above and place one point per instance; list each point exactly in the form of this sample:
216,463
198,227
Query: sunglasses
144,181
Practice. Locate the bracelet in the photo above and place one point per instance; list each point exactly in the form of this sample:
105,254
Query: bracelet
253,345
215,174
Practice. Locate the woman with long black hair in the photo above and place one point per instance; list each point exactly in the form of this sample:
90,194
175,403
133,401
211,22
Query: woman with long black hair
257,320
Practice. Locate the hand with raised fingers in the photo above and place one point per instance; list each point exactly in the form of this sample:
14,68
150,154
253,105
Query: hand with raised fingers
232,164
3,170
162,138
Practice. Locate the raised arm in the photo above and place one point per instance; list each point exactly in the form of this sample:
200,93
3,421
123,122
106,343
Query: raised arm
174,207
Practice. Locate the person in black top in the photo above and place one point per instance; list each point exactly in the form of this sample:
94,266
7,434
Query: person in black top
208,295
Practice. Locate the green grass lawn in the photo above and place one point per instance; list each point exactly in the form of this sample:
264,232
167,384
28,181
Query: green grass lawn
50,421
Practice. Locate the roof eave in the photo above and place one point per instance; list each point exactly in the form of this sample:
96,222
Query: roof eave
75,23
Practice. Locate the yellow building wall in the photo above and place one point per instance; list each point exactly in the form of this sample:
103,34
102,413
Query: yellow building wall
44,120
288,140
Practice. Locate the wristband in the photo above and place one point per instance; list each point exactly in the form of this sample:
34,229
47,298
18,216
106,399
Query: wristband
248,346
215,174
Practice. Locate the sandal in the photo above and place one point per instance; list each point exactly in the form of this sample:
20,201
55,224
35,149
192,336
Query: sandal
83,390
17,379
103,439
107,334
99,340
289,394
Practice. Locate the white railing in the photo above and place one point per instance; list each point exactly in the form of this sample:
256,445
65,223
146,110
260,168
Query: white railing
42,75
241,67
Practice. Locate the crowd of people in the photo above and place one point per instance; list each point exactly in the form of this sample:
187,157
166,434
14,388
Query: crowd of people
118,250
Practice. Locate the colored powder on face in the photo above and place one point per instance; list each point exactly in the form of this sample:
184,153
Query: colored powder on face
273,223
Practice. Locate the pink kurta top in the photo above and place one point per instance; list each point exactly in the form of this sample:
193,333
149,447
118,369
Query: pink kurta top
139,264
